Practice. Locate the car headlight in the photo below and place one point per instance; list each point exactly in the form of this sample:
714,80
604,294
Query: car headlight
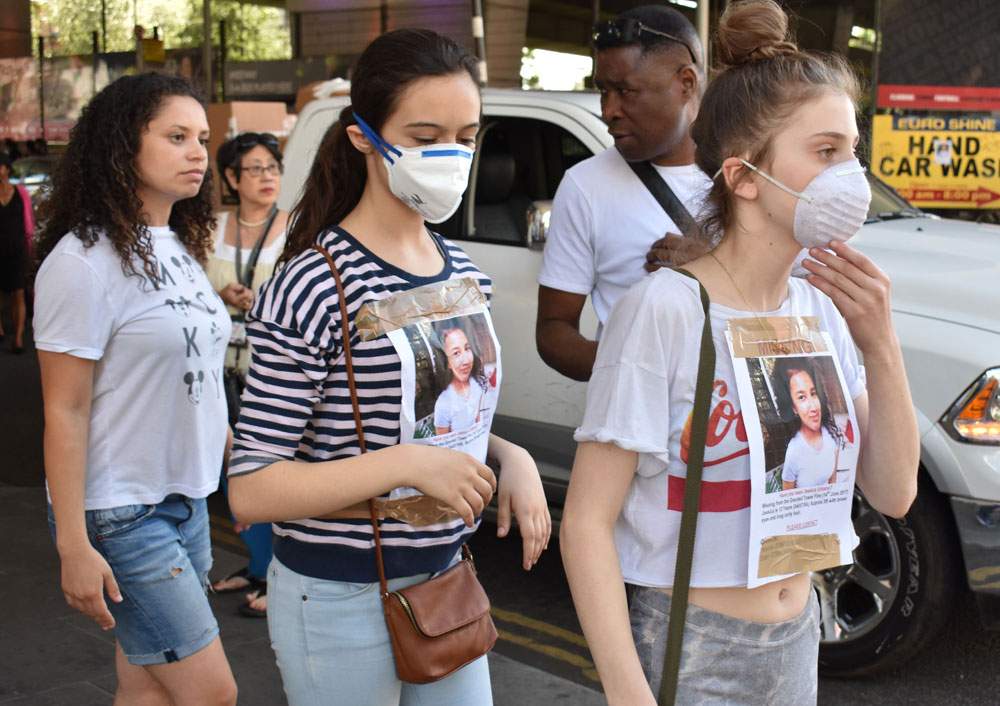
975,416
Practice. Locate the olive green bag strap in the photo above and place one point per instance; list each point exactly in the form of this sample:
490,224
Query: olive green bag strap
692,501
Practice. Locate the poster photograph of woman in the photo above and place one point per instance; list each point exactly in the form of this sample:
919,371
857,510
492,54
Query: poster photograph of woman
456,385
809,438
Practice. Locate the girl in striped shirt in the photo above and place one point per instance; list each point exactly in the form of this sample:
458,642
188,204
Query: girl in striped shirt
398,156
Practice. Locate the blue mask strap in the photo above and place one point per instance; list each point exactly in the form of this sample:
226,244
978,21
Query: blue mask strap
383,147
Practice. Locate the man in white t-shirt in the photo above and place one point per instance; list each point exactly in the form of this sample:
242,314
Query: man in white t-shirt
607,229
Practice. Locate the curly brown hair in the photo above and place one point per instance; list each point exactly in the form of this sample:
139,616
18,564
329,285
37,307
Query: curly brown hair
93,187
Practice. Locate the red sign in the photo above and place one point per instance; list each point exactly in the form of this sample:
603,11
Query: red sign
967,98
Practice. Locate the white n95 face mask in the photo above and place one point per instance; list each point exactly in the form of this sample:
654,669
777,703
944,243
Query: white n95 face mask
833,206
430,180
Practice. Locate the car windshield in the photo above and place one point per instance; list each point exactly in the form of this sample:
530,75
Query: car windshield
887,204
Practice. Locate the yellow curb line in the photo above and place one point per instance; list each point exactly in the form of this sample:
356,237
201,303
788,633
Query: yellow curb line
540,626
585,665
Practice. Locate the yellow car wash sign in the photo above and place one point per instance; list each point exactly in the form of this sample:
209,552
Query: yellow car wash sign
939,162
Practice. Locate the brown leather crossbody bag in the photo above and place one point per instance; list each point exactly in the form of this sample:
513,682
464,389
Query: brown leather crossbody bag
441,624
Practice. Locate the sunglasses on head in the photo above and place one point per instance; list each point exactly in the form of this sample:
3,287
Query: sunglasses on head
251,139
628,30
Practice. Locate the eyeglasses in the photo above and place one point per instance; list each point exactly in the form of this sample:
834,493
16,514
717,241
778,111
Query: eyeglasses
250,139
628,30
256,170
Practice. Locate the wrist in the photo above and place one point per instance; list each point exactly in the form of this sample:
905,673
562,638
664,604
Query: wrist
887,352
69,543
405,464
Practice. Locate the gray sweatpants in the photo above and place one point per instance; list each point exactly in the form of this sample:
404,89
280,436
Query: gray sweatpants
726,660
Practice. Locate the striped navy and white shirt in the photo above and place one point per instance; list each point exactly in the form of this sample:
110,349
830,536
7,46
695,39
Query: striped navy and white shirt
297,405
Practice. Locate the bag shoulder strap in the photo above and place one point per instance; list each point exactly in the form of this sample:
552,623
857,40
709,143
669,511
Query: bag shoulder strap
692,501
345,337
245,275
666,197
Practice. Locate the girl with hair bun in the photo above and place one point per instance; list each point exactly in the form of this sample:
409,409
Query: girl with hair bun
777,130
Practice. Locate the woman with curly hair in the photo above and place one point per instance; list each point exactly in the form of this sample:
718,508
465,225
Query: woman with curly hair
131,338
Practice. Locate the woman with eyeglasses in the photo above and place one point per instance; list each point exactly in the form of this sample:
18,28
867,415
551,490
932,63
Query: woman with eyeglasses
246,247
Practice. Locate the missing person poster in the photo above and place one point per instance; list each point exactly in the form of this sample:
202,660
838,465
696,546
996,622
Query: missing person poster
450,363
803,437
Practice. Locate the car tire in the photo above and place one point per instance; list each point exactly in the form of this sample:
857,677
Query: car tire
896,597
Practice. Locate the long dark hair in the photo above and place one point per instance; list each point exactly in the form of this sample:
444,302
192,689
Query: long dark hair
93,192
384,70
785,370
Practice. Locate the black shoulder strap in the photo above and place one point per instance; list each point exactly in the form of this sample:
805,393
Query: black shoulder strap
692,501
666,197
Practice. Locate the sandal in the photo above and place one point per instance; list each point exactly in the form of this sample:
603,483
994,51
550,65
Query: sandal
244,573
248,611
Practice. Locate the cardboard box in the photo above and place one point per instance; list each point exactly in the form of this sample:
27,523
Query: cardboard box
227,120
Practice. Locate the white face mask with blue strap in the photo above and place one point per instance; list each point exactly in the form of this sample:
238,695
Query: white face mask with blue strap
430,179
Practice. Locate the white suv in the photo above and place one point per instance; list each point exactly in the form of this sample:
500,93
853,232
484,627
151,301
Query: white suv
907,573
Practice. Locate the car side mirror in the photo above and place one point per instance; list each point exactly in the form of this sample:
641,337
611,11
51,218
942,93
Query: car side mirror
537,217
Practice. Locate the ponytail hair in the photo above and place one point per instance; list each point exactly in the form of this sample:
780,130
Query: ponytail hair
383,72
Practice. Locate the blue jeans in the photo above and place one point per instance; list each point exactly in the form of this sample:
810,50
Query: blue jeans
160,556
333,648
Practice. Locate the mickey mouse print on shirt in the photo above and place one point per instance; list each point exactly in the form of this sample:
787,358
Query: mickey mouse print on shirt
202,324
186,265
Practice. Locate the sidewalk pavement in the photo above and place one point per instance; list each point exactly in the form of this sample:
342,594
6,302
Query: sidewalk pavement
50,655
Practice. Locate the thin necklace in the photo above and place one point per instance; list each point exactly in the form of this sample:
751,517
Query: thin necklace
248,224
756,315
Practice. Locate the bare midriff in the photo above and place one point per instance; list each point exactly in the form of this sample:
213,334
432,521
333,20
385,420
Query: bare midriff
773,603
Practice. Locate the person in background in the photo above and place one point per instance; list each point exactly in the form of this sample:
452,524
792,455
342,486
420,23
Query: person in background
135,416
607,229
247,245
17,226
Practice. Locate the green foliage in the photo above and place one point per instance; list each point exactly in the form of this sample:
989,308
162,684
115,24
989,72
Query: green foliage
252,32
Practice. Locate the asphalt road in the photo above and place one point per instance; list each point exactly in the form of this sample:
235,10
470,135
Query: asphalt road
533,610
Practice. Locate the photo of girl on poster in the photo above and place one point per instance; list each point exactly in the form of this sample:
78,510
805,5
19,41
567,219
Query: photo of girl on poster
805,423
812,455
461,404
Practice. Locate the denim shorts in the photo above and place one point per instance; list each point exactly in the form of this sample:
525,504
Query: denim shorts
333,648
729,661
160,555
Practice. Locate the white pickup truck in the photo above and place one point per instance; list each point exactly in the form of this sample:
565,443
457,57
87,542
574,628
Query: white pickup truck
907,573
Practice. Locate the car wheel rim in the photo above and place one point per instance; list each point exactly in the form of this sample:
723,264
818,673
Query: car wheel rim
853,599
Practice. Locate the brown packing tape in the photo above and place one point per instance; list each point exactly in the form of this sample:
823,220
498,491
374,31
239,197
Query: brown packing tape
431,302
795,553
416,510
776,335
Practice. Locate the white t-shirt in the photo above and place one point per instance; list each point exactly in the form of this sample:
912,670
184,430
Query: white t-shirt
158,412
458,413
807,466
604,221
640,398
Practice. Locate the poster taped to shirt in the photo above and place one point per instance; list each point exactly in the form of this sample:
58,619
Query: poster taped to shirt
803,437
450,364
